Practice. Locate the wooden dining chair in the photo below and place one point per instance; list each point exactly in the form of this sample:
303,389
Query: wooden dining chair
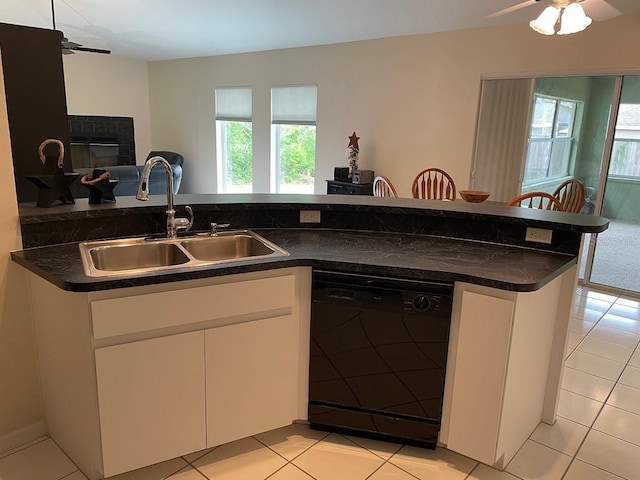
570,194
434,184
382,187
540,200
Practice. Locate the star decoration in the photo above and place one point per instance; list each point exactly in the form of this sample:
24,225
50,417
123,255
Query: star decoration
53,188
353,141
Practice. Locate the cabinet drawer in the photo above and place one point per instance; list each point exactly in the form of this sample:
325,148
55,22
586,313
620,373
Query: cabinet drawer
126,315
334,189
348,188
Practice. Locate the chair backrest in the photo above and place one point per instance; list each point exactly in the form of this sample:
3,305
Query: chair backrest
570,194
434,184
382,187
540,200
172,157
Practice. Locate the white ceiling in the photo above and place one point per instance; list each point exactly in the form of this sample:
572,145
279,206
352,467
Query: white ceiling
167,29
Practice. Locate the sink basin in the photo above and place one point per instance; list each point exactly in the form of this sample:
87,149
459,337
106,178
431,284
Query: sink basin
134,256
224,247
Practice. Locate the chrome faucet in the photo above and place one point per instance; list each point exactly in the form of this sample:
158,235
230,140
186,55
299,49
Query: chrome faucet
173,223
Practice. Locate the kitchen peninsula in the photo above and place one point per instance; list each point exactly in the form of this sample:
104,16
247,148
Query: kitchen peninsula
227,346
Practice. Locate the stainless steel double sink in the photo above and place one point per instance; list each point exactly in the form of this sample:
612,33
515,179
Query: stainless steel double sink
131,256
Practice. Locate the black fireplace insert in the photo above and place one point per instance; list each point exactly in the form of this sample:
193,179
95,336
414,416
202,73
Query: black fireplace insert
99,141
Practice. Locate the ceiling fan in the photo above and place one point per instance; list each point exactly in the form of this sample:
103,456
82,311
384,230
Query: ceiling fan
598,9
69,47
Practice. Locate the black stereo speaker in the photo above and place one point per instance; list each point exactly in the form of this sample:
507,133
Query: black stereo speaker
362,176
341,174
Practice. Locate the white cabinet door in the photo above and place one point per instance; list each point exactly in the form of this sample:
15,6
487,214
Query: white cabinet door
484,341
251,374
151,400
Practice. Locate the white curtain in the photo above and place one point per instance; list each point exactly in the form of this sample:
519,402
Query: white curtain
501,140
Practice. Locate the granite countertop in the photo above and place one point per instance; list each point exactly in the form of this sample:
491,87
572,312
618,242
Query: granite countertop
421,257
354,204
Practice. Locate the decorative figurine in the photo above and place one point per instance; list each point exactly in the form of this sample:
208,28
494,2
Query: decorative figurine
53,185
352,153
100,186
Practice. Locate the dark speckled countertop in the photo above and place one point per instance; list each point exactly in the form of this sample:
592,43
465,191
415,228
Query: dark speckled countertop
421,257
419,239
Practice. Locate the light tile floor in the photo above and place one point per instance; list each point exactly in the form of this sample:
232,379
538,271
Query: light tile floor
596,437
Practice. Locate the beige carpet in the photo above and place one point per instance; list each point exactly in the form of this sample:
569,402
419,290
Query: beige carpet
617,257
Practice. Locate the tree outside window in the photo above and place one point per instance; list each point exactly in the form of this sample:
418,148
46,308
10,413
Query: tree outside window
293,119
234,156
237,158
295,158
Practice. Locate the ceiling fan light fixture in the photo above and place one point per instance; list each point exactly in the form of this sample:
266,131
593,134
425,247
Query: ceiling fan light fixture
574,19
545,23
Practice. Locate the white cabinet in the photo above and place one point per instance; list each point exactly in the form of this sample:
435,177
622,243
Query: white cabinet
151,397
140,375
497,383
251,374
481,367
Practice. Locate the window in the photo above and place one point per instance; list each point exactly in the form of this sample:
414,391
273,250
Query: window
625,157
550,139
234,140
293,120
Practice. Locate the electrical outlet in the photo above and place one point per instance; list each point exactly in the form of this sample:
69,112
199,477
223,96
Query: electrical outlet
309,216
539,235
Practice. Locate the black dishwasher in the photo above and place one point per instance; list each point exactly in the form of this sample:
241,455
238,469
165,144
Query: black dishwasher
378,356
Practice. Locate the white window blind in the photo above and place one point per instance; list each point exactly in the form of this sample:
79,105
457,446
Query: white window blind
233,104
501,138
294,104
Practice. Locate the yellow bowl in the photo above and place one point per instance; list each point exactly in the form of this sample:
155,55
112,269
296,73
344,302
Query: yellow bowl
474,196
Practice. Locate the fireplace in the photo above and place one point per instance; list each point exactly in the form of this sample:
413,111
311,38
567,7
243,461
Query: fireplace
98,141
94,155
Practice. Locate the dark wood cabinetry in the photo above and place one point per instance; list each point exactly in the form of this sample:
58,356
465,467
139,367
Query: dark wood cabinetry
36,99
335,187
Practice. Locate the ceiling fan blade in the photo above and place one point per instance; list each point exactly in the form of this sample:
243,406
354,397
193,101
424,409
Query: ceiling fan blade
600,9
68,44
514,8
80,48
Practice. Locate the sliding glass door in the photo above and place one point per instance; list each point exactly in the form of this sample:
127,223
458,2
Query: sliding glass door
615,253
588,128
534,134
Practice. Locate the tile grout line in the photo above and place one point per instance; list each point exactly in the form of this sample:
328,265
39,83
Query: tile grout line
573,457
388,460
290,462
72,473
23,446
590,428
66,456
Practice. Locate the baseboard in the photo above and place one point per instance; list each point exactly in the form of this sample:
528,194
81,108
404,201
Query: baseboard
20,437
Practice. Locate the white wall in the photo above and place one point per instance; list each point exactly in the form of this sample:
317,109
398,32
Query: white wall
111,86
20,404
412,100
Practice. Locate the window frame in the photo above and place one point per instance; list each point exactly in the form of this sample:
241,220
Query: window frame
232,104
304,117
628,134
554,140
